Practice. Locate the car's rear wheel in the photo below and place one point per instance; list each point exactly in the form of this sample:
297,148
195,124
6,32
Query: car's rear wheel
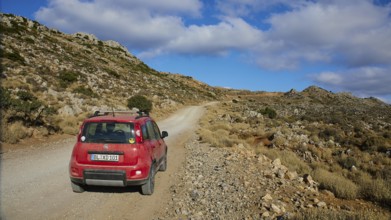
148,187
163,166
77,188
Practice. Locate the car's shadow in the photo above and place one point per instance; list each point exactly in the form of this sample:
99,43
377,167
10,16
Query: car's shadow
108,189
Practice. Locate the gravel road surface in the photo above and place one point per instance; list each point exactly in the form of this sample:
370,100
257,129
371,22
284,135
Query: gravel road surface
35,181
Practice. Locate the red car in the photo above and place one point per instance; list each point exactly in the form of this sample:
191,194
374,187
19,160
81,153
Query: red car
118,149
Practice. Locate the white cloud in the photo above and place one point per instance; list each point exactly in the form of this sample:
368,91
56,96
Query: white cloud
231,33
163,7
329,78
325,31
346,33
137,24
364,81
332,32
153,27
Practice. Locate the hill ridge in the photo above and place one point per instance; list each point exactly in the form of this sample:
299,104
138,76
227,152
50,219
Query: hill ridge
51,80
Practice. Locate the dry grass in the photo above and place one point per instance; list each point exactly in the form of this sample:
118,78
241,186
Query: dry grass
324,214
70,124
219,138
288,159
336,183
377,190
15,132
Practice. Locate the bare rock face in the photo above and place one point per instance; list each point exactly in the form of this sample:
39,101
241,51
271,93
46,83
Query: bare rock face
86,36
115,44
67,110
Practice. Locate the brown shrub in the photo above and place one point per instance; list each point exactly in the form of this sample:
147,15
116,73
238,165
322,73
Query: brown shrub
70,125
377,190
219,138
338,184
324,214
13,133
288,159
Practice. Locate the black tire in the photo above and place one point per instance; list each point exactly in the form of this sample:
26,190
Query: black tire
163,166
148,187
77,188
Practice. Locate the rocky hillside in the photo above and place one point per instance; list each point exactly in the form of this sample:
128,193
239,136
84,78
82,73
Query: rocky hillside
328,156
239,183
312,154
51,80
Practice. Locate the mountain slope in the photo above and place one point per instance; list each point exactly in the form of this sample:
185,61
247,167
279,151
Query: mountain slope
50,80
341,141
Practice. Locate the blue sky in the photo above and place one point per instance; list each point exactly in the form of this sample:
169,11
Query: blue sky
259,45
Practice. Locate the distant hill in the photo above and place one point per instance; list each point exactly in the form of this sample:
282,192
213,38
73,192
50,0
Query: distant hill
51,80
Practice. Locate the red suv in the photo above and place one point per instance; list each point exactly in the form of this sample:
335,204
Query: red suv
118,149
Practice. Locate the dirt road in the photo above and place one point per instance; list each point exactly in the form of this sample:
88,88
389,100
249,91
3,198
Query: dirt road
35,182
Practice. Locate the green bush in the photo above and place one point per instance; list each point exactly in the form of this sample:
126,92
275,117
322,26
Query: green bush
328,133
269,112
85,91
28,108
25,96
67,78
5,98
347,163
112,73
140,102
373,143
14,56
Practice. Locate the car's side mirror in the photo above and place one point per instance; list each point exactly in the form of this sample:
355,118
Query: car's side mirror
164,134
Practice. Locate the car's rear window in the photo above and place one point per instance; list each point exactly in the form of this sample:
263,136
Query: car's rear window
108,132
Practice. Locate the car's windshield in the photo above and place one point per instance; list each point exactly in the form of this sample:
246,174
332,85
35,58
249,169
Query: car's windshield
108,132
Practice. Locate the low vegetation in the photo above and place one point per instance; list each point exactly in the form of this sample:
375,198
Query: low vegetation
140,102
51,80
345,148
320,214
48,87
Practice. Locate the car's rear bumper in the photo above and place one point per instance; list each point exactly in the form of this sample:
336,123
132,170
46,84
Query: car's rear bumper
108,175
106,178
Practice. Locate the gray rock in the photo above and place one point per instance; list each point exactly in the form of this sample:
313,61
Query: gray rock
267,197
321,204
275,209
276,162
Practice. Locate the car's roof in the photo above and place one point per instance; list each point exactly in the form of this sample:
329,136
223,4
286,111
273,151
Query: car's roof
118,118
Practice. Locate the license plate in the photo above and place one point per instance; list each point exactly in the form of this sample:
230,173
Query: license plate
104,157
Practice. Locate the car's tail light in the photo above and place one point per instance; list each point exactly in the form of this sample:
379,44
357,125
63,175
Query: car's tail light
79,134
138,133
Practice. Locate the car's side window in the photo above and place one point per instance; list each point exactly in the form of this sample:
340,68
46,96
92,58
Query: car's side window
145,132
151,131
157,131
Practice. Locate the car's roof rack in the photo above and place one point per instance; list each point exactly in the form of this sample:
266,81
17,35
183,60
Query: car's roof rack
114,112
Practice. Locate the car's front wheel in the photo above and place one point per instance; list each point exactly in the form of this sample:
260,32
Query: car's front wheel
77,188
148,187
